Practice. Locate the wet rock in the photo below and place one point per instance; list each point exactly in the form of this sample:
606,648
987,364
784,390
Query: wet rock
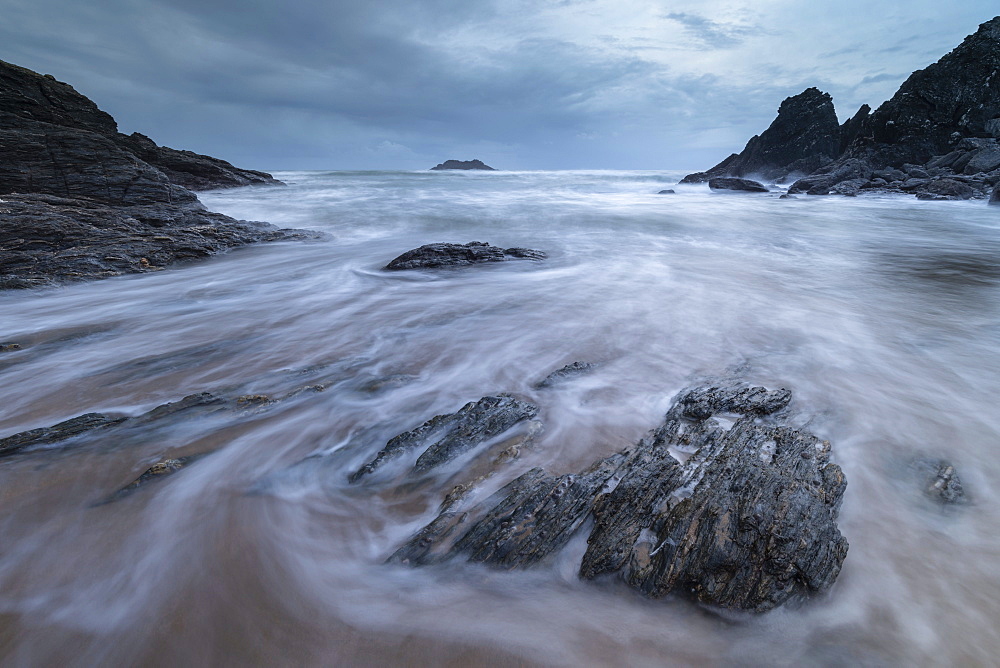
45,240
787,196
747,522
154,473
729,183
567,372
946,189
445,437
193,170
805,135
79,203
995,197
666,192
9,347
462,164
431,256
940,481
58,432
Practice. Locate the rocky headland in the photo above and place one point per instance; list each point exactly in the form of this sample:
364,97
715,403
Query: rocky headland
936,138
79,200
462,164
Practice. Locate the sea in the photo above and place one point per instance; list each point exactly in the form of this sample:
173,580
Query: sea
880,313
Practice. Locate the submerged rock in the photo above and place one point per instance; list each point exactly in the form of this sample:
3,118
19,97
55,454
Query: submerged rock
995,197
9,347
445,437
462,164
431,256
730,183
156,472
58,432
940,481
668,191
567,372
747,522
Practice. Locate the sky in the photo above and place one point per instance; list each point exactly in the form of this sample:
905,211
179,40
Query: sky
519,84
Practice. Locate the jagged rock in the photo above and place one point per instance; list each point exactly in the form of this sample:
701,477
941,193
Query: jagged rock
946,189
154,473
193,170
743,185
563,374
666,192
853,127
46,239
462,164
57,432
940,481
67,175
805,136
431,256
943,117
747,522
445,437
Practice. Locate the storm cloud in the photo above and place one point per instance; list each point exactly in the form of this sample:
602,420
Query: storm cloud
522,85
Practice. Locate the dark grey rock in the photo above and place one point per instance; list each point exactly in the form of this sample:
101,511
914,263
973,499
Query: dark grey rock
431,256
445,437
940,481
730,183
805,135
995,197
747,522
59,432
564,374
462,164
78,202
946,189
666,192
46,240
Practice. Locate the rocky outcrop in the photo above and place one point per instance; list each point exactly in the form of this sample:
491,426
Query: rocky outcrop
445,437
192,170
462,164
731,183
746,522
79,203
45,240
805,136
432,256
940,128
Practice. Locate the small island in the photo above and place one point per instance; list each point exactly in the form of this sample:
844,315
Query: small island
462,164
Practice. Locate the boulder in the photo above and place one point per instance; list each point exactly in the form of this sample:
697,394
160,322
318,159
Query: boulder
946,189
995,197
747,522
731,183
666,192
564,374
433,256
462,164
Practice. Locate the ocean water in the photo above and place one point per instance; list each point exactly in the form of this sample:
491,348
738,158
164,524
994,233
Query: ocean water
881,314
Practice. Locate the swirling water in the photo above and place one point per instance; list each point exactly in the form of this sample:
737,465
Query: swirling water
882,315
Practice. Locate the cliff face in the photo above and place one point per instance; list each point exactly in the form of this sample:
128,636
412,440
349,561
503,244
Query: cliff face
55,140
941,125
79,202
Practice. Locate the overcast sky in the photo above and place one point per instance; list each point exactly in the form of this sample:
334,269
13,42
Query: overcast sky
520,84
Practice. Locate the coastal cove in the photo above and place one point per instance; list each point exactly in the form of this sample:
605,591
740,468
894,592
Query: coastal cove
880,313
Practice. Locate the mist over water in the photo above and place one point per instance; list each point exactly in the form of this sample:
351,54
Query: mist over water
882,315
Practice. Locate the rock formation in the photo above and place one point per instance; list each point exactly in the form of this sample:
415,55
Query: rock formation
732,183
462,164
805,136
747,522
78,202
943,124
431,256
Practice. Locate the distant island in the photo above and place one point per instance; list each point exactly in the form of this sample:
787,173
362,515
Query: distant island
937,138
463,164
